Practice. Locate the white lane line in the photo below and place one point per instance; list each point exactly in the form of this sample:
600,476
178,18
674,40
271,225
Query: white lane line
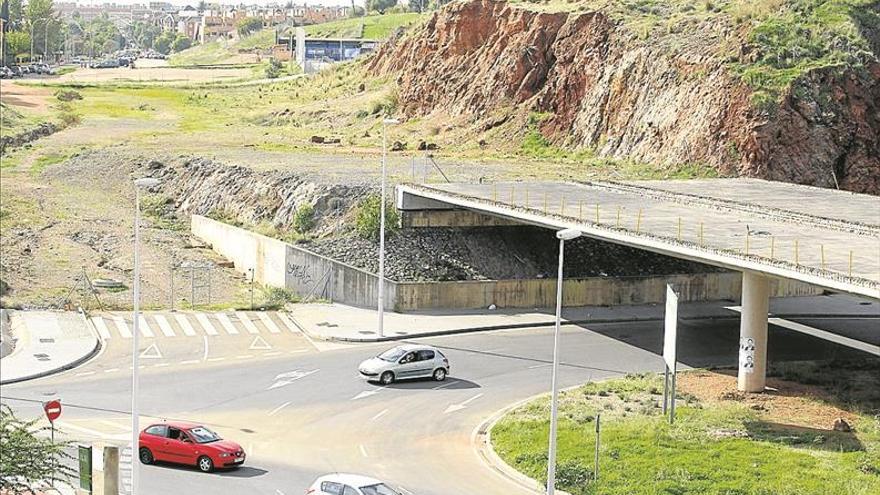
226,323
363,450
146,331
244,356
85,373
248,324
111,370
164,326
264,317
190,361
206,324
182,320
441,387
366,393
287,322
211,360
205,340
160,365
382,413
122,326
540,366
273,412
101,327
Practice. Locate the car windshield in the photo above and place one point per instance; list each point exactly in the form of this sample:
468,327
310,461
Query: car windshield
204,435
393,355
380,489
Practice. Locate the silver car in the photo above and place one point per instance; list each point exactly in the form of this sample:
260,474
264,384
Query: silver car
404,362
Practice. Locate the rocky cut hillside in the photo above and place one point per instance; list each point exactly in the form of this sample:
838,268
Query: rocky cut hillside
778,89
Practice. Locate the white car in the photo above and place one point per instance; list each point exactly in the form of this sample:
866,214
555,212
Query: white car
404,362
349,484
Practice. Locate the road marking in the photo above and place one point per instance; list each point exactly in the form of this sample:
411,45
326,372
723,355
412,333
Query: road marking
122,326
111,370
366,393
285,379
182,320
211,360
540,366
259,344
264,317
164,326
161,365
382,413
273,412
244,356
273,353
363,450
205,340
441,387
146,331
248,324
85,373
287,322
459,407
226,323
190,361
206,324
152,352
101,327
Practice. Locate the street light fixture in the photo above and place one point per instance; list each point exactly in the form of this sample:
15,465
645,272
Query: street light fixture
562,235
381,331
144,183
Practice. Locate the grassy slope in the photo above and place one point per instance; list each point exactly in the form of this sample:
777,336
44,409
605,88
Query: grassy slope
218,52
376,27
642,454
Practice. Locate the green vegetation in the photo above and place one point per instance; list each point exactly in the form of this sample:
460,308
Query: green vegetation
371,27
304,218
47,160
223,52
29,456
369,213
717,447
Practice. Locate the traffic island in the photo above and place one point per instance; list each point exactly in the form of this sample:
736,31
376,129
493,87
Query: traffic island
815,431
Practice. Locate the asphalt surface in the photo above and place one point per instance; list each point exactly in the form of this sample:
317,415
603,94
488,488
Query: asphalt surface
322,418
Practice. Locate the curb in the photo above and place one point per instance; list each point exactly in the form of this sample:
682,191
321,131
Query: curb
73,364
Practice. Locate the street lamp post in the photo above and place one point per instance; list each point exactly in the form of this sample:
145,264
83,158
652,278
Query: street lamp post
381,309
562,235
139,184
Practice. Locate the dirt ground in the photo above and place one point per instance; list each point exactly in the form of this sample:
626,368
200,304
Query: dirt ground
27,98
784,402
150,71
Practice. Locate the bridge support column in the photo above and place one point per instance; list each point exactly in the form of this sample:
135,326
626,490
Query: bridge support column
753,333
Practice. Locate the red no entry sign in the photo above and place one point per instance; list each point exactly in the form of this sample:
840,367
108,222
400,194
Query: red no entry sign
53,410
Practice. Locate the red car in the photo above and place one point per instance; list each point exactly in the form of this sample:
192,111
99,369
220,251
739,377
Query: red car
188,443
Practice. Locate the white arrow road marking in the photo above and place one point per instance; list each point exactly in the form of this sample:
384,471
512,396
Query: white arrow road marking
164,326
259,344
285,379
459,407
151,352
101,327
364,394
188,329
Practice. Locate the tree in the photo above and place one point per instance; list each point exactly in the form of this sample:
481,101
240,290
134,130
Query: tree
202,6
163,42
180,43
16,16
28,457
380,5
18,42
249,25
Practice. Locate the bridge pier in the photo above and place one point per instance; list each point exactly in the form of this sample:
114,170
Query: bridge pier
753,333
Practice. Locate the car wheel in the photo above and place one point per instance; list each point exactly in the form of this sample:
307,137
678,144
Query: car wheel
146,456
387,378
206,465
439,374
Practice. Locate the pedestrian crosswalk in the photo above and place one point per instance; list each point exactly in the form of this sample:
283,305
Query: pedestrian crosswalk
158,324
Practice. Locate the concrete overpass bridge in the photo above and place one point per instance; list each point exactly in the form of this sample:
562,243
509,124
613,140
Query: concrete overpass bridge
765,230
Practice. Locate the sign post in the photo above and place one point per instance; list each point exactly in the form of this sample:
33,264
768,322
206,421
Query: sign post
670,340
596,463
53,412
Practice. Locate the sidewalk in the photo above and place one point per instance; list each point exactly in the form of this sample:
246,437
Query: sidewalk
336,322
46,342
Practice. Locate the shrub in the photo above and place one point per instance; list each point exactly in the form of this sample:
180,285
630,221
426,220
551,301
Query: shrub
368,216
273,70
277,297
68,95
304,218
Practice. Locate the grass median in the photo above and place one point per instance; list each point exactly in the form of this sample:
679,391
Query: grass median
723,441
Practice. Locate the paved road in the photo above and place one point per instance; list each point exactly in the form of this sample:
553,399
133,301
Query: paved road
322,418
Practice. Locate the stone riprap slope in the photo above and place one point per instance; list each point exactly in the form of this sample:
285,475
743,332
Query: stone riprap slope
789,90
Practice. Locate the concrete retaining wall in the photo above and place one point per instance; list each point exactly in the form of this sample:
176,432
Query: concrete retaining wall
279,264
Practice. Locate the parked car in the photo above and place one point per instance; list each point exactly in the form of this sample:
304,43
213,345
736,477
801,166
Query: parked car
188,443
106,64
405,362
349,484
16,71
5,73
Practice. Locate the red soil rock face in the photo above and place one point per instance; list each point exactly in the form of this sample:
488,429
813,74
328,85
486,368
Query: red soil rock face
626,98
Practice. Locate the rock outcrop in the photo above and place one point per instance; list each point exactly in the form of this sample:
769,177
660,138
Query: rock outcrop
606,89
